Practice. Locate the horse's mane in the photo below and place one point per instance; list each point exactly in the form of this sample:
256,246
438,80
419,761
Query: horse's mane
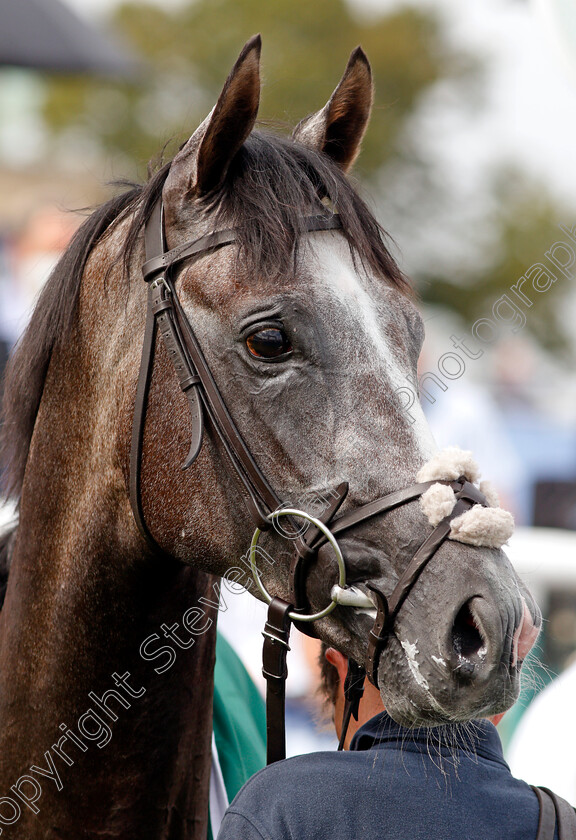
271,183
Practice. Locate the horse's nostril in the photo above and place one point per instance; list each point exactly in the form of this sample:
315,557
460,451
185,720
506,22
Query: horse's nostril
467,642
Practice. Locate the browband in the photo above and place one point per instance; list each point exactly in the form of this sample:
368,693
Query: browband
163,261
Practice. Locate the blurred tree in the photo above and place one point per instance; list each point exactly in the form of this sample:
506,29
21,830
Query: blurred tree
190,50
522,225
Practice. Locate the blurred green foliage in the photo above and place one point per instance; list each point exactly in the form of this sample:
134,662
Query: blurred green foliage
524,224
189,52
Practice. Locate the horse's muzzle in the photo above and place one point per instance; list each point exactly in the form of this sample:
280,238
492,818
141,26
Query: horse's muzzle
478,638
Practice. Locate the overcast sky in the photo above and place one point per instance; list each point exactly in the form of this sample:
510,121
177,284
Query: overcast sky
531,118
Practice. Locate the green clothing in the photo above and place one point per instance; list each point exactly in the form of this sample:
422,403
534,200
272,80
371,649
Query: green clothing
239,720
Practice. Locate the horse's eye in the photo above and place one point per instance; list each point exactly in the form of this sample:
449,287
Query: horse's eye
268,343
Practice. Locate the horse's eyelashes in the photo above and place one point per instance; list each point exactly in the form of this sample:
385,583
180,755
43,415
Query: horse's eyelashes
268,343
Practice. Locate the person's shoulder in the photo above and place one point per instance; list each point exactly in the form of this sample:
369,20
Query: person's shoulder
292,772
295,766
261,808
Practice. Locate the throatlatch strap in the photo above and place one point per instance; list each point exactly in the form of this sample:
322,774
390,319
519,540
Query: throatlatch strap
276,636
142,391
160,317
153,242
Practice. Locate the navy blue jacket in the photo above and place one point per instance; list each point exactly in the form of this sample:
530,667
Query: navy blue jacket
447,783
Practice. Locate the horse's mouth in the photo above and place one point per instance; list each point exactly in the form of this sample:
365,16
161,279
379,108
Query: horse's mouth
474,673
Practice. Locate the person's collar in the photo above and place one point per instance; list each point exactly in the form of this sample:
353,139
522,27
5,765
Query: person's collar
478,737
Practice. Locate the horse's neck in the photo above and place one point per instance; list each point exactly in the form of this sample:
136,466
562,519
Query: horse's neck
101,642
91,626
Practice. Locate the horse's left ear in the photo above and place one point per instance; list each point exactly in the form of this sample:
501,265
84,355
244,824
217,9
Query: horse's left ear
338,129
201,164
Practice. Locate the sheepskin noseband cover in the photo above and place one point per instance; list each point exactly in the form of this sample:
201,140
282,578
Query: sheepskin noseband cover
482,526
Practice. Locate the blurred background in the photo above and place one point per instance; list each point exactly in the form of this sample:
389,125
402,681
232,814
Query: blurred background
468,162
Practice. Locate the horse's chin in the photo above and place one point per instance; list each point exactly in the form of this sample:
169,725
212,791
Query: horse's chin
422,706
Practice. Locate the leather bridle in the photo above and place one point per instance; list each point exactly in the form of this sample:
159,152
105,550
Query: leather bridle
166,315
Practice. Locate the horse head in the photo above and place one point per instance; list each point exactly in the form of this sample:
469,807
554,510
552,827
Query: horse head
309,334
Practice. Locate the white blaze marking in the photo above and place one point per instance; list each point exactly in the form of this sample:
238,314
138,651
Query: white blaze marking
345,284
411,650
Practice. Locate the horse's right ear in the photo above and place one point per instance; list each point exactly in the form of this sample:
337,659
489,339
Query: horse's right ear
338,129
201,164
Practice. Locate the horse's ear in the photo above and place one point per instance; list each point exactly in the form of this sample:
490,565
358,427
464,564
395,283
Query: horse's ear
338,129
204,159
